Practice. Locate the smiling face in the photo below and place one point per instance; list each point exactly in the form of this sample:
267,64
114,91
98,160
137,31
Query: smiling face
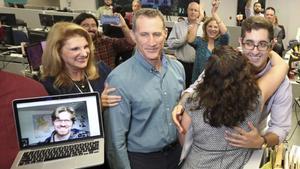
270,15
150,36
90,25
63,123
193,12
212,29
75,53
258,58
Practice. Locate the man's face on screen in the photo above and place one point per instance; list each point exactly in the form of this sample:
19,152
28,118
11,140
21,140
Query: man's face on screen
63,124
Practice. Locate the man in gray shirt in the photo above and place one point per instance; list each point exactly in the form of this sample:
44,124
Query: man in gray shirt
177,39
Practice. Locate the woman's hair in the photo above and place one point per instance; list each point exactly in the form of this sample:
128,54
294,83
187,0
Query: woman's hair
61,109
52,62
229,90
204,27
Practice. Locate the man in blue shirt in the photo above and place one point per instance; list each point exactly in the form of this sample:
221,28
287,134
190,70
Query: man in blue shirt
139,130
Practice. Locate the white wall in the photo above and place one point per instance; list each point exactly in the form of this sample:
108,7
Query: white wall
31,16
43,2
288,13
226,11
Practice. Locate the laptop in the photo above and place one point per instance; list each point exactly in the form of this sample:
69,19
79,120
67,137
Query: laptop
34,54
36,132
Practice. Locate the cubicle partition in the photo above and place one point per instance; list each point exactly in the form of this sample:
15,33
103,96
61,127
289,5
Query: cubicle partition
31,16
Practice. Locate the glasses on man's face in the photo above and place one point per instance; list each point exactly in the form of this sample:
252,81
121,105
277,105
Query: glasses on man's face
261,46
62,121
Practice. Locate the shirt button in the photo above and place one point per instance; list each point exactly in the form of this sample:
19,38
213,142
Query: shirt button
165,93
168,109
170,124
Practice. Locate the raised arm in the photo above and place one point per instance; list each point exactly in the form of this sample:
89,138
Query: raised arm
269,83
248,8
215,6
192,32
175,40
125,29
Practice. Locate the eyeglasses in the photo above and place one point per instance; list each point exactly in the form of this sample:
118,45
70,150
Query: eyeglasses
61,121
261,46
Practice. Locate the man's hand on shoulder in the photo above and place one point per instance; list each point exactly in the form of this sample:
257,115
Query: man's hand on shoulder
243,139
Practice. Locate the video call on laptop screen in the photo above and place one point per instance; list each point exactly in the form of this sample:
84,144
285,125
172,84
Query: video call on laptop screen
36,127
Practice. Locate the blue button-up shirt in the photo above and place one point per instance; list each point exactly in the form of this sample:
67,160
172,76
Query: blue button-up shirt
142,120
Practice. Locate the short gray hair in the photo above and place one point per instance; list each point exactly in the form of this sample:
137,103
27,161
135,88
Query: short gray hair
150,13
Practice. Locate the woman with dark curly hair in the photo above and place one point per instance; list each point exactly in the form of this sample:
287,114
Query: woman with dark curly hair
230,96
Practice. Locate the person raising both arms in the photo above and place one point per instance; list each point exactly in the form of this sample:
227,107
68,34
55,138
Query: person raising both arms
214,34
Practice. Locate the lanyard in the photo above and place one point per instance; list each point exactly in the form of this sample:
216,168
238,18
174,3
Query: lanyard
88,82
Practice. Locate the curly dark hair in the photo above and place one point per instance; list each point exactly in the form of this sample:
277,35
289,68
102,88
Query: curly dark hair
229,90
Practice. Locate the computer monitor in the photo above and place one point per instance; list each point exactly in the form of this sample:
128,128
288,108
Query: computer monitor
8,35
8,19
36,36
59,18
46,20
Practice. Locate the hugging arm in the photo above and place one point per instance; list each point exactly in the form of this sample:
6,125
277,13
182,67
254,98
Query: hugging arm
268,84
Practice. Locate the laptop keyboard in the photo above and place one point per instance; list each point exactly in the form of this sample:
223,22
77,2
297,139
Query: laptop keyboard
59,152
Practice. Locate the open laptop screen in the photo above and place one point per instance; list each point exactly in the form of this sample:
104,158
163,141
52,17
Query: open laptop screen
36,126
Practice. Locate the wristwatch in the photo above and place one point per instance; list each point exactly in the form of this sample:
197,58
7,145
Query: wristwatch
265,144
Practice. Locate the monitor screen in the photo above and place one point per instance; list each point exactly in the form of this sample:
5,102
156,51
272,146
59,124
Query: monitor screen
58,18
156,4
8,37
36,36
8,19
46,20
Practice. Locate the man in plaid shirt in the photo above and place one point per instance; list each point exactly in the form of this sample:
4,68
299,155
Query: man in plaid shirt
106,48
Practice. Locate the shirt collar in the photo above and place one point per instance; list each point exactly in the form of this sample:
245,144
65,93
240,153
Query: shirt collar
140,58
266,68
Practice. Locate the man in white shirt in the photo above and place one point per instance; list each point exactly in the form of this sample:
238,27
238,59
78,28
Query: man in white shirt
256,11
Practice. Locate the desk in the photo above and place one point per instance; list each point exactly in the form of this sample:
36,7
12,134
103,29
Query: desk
13,64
